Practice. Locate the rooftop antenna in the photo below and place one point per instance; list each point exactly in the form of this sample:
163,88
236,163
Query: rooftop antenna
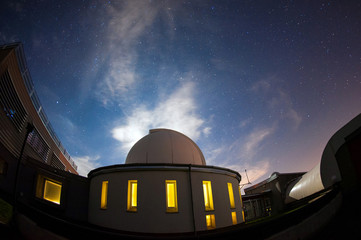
242,185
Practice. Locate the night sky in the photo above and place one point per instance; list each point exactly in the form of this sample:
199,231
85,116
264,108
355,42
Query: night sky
258,85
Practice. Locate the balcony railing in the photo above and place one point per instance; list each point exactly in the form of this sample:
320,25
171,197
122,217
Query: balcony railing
36,102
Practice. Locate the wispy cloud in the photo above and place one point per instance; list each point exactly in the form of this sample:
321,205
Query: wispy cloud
245,148
86,164
178,111
256,171
247,152
128,22
279,102
253,142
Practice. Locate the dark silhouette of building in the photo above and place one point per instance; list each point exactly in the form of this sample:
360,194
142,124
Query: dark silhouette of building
267,197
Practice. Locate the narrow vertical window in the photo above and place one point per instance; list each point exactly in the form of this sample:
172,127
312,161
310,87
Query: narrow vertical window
231,196
52,191
132,195
234,218
240,196
208,197
171,195
210,221
104,195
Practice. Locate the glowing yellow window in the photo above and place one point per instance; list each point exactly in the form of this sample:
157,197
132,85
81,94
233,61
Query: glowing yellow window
104,195
231,196
132,195
240,196
234,218
210,221
171,195
52,191
208,197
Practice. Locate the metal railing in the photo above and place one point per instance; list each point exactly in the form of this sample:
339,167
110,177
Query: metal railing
36,102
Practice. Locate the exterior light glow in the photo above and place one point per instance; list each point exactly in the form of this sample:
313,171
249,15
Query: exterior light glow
132,195
231,196
208,197
104,195
171,195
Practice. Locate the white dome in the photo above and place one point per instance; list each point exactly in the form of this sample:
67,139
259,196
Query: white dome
165,146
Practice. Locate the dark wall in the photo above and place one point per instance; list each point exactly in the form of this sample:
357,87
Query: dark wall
7,178
74,196
349,162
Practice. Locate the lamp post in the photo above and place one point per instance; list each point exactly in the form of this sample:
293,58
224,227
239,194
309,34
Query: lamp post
29,129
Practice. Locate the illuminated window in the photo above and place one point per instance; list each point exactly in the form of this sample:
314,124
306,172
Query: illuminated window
234,217
104,195
48,189
132,195
231,196
52,191
240,196
208,197
210,221
171,195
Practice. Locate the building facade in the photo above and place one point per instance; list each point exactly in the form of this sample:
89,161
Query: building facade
166,187
22,117
267,197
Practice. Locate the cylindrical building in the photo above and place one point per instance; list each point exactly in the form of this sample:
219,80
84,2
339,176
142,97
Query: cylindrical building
164,187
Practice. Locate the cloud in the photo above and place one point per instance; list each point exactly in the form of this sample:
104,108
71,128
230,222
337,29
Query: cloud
127,22
255,171
247,152
177,111
86,164
279,102
245,148
261,86
254,140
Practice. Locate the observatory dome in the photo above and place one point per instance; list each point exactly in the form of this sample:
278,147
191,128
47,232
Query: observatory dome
165,146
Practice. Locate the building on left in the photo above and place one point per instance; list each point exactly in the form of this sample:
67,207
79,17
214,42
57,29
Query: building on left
26,135
22,119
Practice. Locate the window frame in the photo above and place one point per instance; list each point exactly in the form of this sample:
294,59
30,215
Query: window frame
131,195
174,196
41,188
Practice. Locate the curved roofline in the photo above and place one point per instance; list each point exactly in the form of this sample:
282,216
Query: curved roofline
170,130
196,152
163,167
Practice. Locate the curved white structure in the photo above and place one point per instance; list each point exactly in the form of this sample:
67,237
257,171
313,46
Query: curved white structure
326,172
165,146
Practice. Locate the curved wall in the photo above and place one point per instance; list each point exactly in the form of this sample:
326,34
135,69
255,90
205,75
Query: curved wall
326,172
151,215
